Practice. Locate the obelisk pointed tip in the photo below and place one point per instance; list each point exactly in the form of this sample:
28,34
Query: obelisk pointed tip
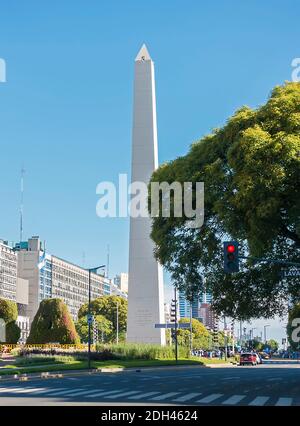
143,54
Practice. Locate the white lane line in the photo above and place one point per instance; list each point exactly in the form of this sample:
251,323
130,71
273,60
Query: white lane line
9,390
274,379
233,400
164,396
210,398
29,390
83,392
119,395
49,390
65,392
259,401
284,402
94,395
187,397
144,395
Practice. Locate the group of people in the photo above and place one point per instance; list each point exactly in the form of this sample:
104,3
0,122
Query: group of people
219,353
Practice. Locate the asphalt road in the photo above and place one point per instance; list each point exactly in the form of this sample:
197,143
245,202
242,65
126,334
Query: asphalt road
270,384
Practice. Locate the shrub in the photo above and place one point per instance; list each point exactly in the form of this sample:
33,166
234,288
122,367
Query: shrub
13,332
139,351
53,324
8,310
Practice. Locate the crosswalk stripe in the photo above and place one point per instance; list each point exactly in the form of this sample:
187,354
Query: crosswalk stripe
260,400
83,392
144,395
28,390
94,395
235,399
9,390
49,390
118,395
187,397
164,396
284,402
65,392
210,398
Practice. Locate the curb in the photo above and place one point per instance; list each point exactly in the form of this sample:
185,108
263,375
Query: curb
60,374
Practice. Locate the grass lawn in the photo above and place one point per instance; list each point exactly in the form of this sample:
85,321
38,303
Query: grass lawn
80,365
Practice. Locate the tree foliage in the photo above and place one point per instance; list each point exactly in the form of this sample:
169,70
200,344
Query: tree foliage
8,310
104,326
53,324
13,332
107,307
251,171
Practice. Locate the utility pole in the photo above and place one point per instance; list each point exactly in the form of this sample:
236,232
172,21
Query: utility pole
265,332
191,327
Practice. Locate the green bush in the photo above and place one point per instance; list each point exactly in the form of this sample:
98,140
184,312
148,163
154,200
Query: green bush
8,310
53,324
139,351
13,333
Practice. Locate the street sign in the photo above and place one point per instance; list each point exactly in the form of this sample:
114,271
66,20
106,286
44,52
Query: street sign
172,325
290,273
89,319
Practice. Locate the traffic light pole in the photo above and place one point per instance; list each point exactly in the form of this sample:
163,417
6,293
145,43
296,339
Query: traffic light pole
89,323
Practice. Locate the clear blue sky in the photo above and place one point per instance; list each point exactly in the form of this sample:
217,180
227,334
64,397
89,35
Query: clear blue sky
66,109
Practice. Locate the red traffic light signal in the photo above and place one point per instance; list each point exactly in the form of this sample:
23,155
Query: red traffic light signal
231,257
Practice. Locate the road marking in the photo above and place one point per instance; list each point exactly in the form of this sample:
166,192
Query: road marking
104,393
83,392
210,398
164,396
29,390
284,402
144,395
118,395
8,390
49,390
65,392
274,379
259,401
187,397
233,400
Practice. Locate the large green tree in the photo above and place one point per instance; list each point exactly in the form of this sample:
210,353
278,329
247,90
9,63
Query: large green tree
104,326
107,307
9,313
251,171
53,324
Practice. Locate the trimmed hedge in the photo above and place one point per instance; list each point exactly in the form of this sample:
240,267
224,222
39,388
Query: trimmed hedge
53,324
8,310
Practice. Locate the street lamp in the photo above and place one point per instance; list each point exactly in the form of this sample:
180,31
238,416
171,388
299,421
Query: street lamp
90,271
265,332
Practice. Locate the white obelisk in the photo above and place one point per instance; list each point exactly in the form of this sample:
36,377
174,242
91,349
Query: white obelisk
145,288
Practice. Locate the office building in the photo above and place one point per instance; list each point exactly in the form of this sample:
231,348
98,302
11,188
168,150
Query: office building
121,281
52,277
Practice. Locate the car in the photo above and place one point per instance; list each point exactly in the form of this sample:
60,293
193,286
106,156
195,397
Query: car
248,358
264,355
258,358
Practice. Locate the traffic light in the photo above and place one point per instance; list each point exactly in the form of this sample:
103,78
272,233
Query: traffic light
231,257
173,310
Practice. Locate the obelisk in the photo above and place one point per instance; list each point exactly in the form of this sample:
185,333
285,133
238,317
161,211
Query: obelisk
145,287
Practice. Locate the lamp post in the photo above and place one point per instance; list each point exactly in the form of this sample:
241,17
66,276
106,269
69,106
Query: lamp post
90,271
265,332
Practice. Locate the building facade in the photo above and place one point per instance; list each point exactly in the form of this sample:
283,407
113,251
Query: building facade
121,281
52,277
8,272
185,306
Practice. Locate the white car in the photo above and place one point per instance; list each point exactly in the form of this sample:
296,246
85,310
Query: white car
258,358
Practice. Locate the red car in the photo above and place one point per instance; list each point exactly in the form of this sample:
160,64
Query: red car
248,358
